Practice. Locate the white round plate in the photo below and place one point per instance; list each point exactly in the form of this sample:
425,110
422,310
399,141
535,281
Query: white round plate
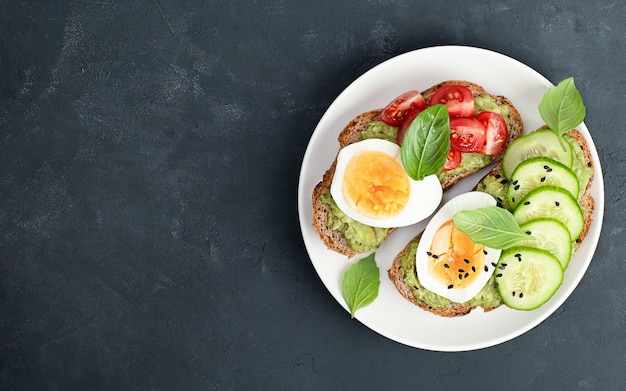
390,314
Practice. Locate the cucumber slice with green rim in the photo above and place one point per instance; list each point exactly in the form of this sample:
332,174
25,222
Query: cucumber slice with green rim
540,171
550,235
527,277
554,202
542,142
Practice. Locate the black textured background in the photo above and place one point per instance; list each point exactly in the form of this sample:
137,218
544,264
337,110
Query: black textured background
149,161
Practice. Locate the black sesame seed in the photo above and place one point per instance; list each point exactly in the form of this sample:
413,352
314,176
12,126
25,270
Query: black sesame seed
556,203
521,295
518,255
543,179
499,199
446,266
527,232
485,252
466,275
497,176
503,264
499,275
545,167
493,264
527,203
516,187
486,268
460,276
512,199
474,269
429,253
466,260
504,181
549,170
450,286
461,271
514,182
435,256
416,287
513,293
495,285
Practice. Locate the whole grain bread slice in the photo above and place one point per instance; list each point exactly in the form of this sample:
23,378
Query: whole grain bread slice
351,133
396,274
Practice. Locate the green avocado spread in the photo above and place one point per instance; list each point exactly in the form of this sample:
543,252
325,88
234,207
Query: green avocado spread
488,297
582,171
497,186
361,237
379,129
364,238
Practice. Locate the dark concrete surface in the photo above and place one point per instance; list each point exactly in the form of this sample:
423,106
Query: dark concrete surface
149,161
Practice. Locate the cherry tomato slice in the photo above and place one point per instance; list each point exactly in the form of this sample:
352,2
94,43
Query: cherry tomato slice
466,134
496,132
453,160
408,118
458,99
395,111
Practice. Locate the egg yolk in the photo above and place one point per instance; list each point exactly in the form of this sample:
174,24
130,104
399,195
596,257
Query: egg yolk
376,185
456,259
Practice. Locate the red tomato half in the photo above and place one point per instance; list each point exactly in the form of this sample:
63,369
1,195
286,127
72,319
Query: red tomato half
496,132
453,160
467,134
395,111
408,118
458,99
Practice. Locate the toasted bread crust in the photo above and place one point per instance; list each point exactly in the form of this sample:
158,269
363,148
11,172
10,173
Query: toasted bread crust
351,133
587,203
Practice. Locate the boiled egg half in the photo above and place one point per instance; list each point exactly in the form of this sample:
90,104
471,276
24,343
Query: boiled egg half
371,186
448,262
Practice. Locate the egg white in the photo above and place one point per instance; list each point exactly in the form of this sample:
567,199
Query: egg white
424,198
466,201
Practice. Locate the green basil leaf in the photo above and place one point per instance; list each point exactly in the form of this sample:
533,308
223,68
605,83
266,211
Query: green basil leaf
426,143
491,226
562,108
360,284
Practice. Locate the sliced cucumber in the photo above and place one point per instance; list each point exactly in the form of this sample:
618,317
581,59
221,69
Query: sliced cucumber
527,277
550,235
554,202
540,171
542,142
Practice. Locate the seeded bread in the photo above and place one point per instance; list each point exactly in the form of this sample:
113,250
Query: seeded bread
395,272
334,239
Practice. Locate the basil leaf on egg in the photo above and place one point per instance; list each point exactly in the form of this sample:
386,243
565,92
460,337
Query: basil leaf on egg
360,284
491,226
426,143
562,108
